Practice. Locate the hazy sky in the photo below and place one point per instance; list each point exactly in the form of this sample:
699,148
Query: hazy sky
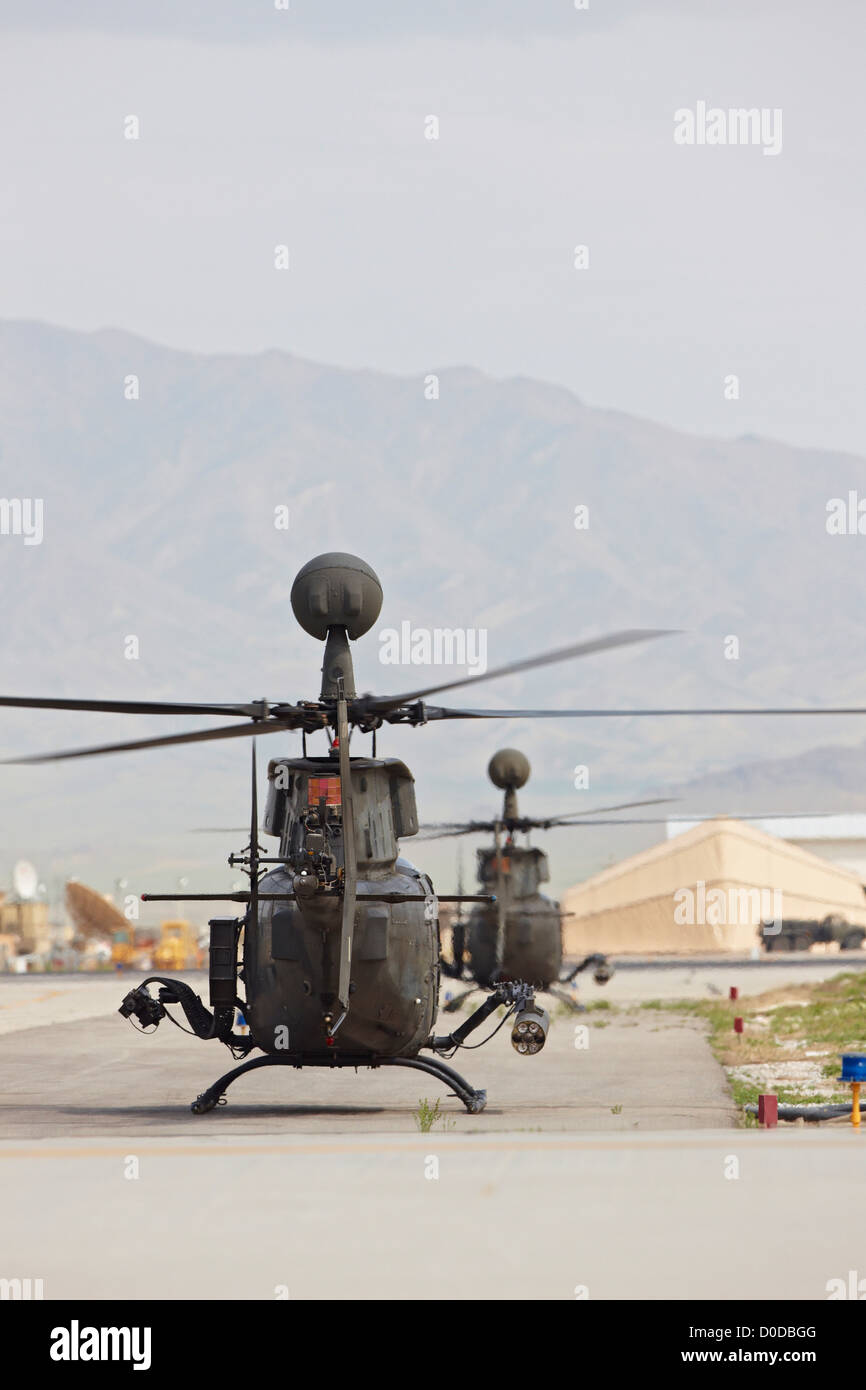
260,128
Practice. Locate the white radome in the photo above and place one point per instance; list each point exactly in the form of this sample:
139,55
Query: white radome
25,879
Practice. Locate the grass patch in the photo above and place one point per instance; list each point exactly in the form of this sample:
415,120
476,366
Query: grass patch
563,1010
747,1092
675,1006
427,1115
782,1026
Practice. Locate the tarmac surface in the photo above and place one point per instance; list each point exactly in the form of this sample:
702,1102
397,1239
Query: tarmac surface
611,1165
748,1214
71,1066
98,1076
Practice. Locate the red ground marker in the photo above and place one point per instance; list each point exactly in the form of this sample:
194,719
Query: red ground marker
768,1111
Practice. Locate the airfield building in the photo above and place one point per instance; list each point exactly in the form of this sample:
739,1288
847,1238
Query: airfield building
707,889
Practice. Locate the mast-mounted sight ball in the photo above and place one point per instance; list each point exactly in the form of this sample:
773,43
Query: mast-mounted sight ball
508,769
336,590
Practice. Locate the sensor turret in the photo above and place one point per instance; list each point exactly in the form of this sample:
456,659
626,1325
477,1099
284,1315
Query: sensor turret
336,598
509,769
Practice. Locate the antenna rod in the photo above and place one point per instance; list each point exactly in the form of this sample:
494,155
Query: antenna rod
254,846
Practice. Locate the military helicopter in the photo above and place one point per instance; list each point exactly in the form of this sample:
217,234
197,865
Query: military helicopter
520,937
340,963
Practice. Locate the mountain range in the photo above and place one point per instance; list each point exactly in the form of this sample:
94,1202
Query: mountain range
162,474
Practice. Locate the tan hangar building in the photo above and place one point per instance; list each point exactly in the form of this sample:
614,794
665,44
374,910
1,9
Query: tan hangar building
708,889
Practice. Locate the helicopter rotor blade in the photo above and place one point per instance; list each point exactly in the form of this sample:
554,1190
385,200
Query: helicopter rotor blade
381,703
542,822
432,712
450,832
199,736
702,820
446,825
217,829
599,818
250,711
522,823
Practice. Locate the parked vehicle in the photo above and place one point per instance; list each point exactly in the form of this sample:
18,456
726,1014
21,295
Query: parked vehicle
800,935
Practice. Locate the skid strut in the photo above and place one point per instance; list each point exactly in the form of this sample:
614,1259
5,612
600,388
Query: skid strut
473,1100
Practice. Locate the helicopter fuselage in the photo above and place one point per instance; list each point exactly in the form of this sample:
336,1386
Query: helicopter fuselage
291,951
532,948
290,965
533,942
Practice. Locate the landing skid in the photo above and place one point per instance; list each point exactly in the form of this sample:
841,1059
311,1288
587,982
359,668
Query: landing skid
473,1100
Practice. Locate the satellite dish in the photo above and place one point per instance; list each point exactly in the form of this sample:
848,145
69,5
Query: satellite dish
91,913
25,879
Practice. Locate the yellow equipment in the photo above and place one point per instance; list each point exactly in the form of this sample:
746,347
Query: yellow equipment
177,948
122,948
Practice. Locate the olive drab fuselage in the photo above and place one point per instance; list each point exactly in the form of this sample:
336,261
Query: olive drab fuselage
290,953
341,952
533,932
